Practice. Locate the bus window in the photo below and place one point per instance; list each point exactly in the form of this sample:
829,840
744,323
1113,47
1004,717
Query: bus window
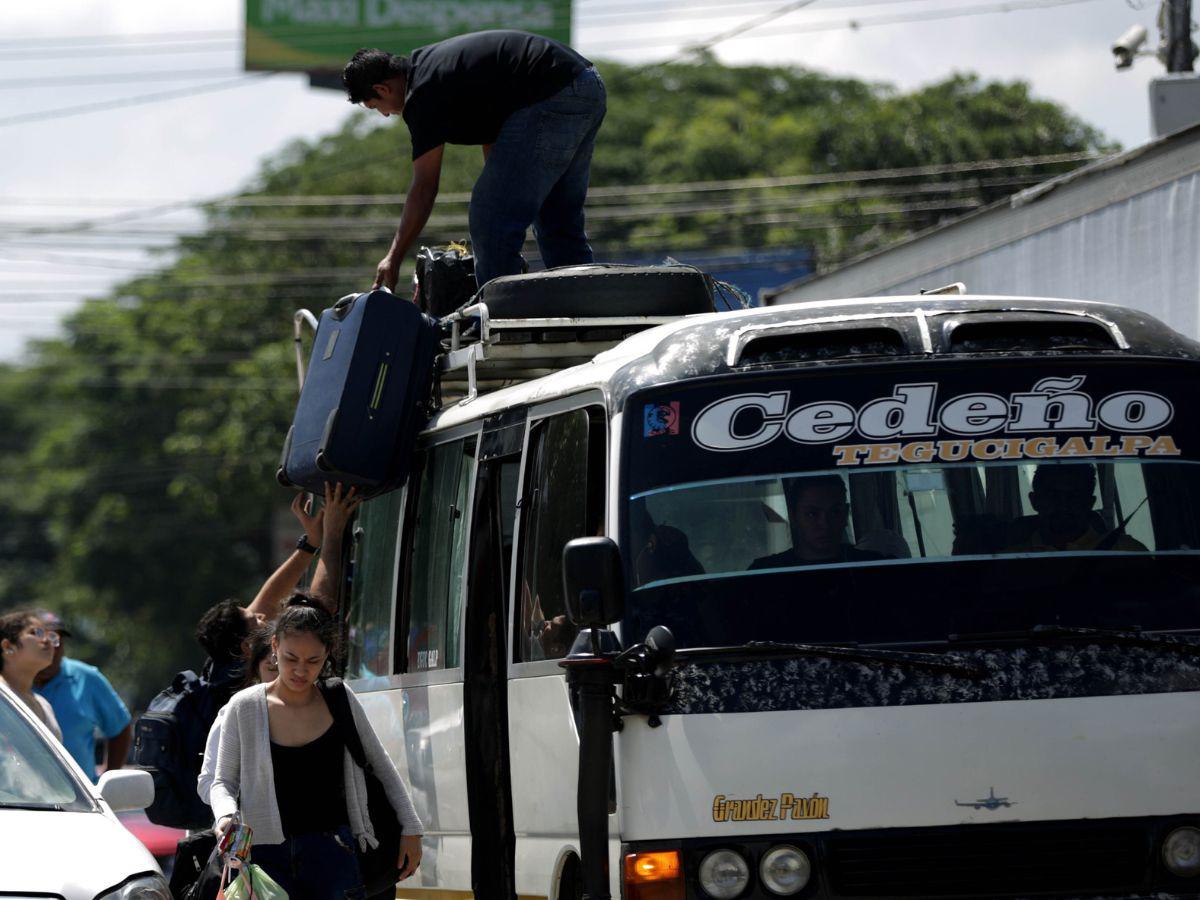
373,585
439,540
976,547
563,499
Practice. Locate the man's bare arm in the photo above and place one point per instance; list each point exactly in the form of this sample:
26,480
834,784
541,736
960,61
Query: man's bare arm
418,204
339,509
269,601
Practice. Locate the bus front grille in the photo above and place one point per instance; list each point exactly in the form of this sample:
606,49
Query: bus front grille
990,860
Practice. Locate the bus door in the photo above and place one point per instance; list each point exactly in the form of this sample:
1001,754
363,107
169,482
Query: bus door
406,661
562,496
485,697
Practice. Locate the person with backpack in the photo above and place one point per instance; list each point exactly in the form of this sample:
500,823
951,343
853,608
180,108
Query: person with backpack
260,669
171,734
281,744
193,876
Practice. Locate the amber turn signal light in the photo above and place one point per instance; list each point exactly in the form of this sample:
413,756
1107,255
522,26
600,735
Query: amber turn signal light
654,876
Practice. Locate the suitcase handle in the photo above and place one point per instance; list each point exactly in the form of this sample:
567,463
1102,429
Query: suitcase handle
341,309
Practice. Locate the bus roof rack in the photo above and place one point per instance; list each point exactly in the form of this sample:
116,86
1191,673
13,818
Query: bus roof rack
486,354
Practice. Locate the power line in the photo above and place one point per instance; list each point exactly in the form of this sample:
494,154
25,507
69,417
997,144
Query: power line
128,37
661,8
322,225
584,9
748,25
899,214
856,24
148,50
594,193
224,41
92,78
138,100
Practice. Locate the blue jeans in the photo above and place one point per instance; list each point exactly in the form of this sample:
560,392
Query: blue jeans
322,866
537,174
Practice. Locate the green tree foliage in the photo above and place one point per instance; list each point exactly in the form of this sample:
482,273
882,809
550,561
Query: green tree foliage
139,461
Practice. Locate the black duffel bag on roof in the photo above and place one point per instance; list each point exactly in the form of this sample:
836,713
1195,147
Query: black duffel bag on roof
597,290
444,279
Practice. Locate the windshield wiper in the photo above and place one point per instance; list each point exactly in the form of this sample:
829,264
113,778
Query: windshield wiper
756,650
1128,638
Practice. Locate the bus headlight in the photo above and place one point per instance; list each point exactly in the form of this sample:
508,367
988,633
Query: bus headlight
724,874
785,870
1181,852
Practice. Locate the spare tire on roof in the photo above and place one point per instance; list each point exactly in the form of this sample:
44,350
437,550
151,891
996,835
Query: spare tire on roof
597,290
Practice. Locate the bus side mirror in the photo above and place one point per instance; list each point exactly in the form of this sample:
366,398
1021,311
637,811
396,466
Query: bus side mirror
593,582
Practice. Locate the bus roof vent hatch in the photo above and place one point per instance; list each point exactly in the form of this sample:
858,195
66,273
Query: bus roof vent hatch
1026,333
819,345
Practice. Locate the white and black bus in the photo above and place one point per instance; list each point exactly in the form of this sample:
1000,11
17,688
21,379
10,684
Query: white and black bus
904,599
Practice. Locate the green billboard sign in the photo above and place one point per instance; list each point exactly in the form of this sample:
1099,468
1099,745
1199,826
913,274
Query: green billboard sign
320,35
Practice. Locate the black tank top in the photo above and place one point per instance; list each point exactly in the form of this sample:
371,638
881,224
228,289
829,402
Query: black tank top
310,787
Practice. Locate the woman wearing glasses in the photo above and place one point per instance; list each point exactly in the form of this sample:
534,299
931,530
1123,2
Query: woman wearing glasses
27,647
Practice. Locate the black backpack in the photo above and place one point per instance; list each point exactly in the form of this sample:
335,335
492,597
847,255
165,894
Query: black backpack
444,280
169,743
196,872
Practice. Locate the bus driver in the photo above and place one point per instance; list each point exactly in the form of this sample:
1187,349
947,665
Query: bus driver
1063,496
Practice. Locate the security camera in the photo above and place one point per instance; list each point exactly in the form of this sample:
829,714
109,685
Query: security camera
1127,45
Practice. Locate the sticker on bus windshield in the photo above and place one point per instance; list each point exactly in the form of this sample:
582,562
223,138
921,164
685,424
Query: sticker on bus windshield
661,418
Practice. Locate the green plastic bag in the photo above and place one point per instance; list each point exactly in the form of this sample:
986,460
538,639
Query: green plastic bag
252,883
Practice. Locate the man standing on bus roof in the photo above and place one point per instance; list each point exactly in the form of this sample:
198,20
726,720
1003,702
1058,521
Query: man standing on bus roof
534,105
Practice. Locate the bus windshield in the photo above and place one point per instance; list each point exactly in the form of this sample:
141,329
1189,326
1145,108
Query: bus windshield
921,545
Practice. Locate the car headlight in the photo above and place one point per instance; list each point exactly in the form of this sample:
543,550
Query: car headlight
785,870
143,887
724,874
1181,852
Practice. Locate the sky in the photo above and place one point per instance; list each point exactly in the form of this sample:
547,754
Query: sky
73,149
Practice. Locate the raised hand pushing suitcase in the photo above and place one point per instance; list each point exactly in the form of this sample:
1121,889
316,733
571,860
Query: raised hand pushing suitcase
367,393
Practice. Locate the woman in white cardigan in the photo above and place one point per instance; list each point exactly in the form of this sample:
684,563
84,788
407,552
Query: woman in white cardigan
279,746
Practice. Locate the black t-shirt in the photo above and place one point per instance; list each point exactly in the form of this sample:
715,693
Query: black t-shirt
461,90
309,786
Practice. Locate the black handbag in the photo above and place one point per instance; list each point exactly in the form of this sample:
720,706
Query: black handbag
196,874
378,865
444,280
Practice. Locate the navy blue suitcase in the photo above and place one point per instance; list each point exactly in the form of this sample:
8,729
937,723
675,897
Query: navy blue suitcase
367,393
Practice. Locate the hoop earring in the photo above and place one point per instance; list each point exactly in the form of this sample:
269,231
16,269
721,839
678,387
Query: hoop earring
274,659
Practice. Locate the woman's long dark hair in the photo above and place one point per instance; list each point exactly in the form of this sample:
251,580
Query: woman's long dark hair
13,625
304,614
260,649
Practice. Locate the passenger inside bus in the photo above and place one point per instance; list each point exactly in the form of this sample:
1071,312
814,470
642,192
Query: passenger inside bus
1062,499
818,512
666,554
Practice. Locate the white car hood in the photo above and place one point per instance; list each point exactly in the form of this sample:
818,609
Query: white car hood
77,855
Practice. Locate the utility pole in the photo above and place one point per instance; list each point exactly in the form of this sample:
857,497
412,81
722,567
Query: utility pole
1180,51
